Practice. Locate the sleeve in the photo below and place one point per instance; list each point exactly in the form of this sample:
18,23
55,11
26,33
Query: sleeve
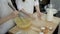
10,3
19,4
36,2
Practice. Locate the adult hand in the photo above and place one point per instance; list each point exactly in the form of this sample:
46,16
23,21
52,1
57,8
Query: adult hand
39,15
14,14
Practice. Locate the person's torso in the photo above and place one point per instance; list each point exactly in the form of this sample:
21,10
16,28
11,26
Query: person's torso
28,5
4,8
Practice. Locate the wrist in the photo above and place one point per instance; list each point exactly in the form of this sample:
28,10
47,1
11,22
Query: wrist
10,17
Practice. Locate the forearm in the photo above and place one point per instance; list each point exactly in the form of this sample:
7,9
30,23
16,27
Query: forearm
2,20
39,14
37,9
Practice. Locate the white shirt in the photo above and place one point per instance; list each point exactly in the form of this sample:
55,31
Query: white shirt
28,5
5,10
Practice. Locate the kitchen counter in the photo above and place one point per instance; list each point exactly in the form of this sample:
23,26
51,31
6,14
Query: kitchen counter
37,24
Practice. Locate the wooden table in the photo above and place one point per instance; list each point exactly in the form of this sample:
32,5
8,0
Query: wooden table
37,24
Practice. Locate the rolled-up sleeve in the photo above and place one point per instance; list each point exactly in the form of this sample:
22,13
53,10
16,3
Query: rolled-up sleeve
36,2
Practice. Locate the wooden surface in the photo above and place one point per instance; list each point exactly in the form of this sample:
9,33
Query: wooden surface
36,26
